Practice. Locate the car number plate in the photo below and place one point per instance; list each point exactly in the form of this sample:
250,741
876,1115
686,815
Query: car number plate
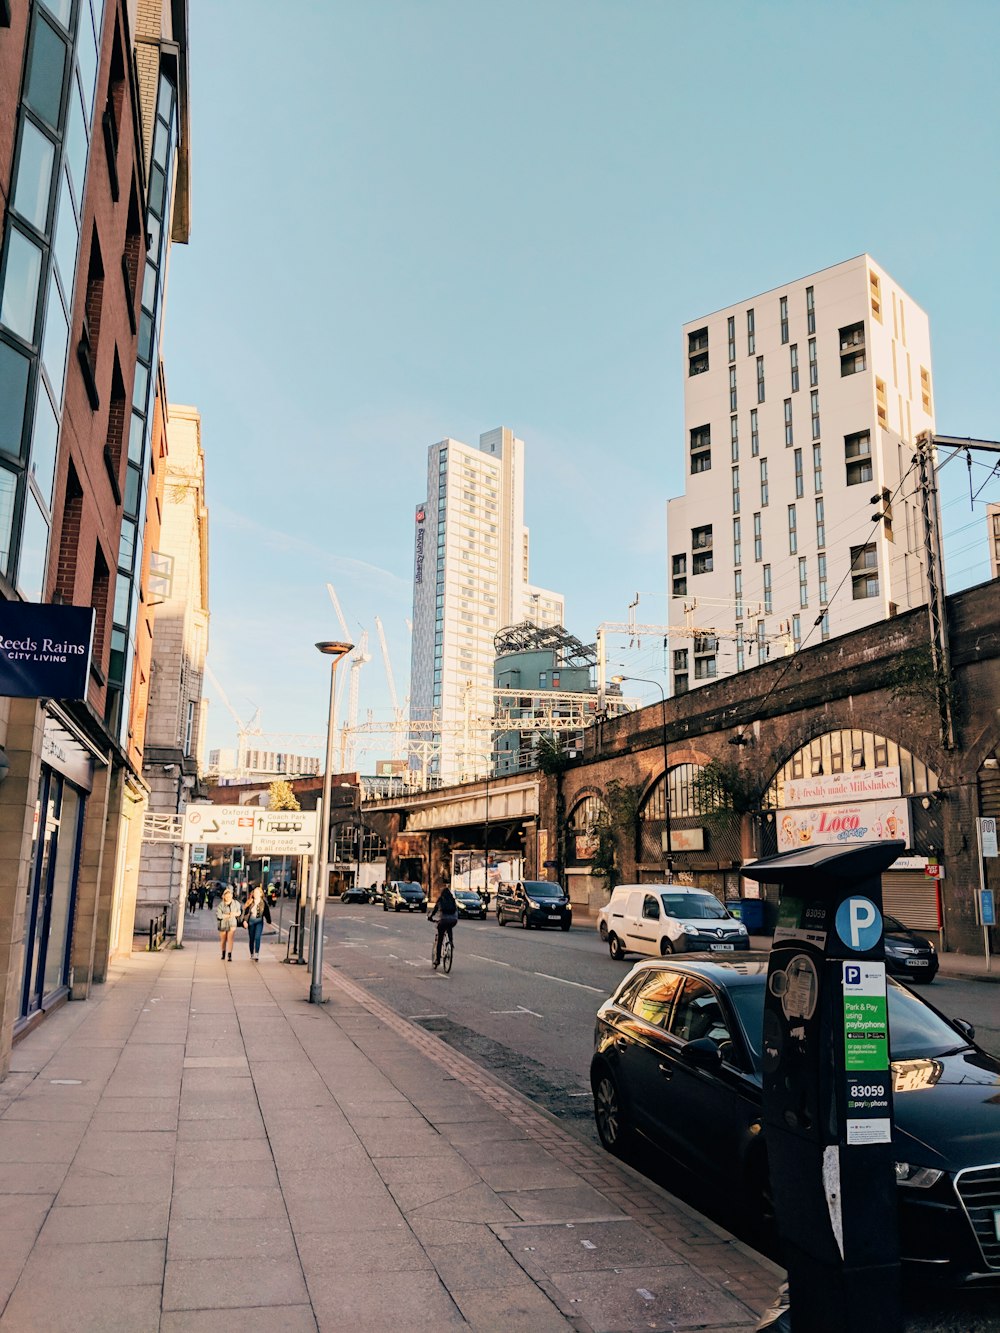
917,962
717,947
553,916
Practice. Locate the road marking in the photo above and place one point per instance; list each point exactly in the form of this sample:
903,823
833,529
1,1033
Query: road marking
579,984
378,927
410,963
417,1018
588,1244
519,1010
490,960
646,1295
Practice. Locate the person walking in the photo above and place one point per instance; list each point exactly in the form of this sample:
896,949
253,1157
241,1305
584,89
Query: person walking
256,910
228,915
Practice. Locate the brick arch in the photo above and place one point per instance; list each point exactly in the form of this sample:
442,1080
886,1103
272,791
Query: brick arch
584,794
827,725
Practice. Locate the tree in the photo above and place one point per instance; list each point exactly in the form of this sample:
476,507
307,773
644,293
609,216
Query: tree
281,797
724,790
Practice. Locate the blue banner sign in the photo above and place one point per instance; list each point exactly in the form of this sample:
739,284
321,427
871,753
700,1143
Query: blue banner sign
45,650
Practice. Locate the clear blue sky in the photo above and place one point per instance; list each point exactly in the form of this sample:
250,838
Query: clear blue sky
420,218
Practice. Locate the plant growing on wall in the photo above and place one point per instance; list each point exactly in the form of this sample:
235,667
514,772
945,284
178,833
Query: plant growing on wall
615,821
724,790
281,797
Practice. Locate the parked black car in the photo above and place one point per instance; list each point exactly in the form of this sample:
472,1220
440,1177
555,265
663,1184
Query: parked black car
908,954
677,1063
355,894
404,896
376,894
470,904
534,902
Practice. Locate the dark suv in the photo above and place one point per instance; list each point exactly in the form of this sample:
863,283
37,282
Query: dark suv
404,896
534,902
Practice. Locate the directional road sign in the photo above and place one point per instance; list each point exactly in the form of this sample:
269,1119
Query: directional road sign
228,825
284,833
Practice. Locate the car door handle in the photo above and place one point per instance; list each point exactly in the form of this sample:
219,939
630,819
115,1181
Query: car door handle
666,1070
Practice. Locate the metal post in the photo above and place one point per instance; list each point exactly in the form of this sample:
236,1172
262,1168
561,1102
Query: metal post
335,651
182,897
937,610
486,829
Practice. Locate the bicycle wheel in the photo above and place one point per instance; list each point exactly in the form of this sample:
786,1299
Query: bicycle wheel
447,952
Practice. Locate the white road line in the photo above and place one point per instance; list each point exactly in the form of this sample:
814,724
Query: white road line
378,927
579,984
518,1011
410,963
481,959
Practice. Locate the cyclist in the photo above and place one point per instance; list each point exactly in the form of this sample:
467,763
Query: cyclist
448,909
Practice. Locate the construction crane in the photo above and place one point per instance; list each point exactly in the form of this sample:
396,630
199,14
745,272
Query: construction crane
359,657
243,729
397,712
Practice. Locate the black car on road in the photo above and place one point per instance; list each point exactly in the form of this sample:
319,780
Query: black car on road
908,954
534,902
470,904
355,894
404,896
677,1064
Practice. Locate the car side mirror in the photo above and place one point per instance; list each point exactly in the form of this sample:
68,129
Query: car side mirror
964,1027
702,1053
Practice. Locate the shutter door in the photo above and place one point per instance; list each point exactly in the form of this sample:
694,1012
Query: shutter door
913,898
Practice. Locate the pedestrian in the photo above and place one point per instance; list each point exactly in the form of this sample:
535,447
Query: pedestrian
202,897
228,914
192,898
256,910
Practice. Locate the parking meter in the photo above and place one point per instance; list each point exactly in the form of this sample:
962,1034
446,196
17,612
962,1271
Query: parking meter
827,1090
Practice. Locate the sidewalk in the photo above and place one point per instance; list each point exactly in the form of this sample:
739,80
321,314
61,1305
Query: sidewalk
197,1147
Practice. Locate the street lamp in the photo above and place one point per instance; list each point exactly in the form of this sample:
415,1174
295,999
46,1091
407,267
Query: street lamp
335,651
669,848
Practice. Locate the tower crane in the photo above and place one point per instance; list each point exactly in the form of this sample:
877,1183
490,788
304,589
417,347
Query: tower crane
243,729
397,712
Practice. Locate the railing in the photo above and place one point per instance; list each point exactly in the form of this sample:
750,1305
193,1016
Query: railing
157,931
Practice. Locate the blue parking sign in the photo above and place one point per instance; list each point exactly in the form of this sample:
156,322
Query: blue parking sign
859,923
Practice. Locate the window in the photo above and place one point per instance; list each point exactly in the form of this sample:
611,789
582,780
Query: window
732,388
681,683
189,727
763,483
701,449
701,542
737,542
44,78
814,411
731,336
783,317
701,537
799,479
22,273
14,367
698,351
796,632
853,364
734,438
824,626
768,600
698,365
761,641
760,379
803,582
754,433
793,358
758,541
857,453
740,649
821,578
925,390
810,310
679,575
751,336
875,294
680,659
789,441
793,535
864,572
817,468
813,364
736,490
820,523
852,349
34,176
738,592
704,668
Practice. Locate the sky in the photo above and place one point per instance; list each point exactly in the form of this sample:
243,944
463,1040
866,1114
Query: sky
414,219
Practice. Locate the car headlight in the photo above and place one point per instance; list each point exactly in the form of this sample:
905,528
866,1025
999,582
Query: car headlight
532,903
916,1177
741,929
690,930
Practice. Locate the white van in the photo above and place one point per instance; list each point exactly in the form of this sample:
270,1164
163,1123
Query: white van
658,919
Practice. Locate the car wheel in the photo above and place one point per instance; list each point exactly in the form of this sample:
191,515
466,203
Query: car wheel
612,1125
666,947
385,906
500,919
524,921
397,907
616,947
603,928
566,925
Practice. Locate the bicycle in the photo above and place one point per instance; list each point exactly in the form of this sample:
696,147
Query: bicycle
447,953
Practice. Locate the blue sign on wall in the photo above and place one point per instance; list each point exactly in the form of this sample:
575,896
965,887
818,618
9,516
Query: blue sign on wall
859,923
45,650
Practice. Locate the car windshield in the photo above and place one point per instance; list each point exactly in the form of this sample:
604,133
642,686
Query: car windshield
915,1030
467,896
410,889
694,907
537,888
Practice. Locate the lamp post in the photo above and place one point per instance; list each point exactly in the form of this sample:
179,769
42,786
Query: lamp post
335,651
486,830
669,846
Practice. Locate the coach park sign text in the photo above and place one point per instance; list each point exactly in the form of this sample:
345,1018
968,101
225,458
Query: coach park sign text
265,832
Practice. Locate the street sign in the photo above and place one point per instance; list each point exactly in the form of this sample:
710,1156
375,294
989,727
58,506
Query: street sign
934,871
988,836
199,853
284,833
987,907
228,825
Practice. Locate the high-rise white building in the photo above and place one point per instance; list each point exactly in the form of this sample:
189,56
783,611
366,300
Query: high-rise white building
800,411
470,579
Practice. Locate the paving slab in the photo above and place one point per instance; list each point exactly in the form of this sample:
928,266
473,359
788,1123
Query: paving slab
208,1284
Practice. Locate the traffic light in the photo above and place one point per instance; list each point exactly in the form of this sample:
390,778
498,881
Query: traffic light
265,867
884,499
237,858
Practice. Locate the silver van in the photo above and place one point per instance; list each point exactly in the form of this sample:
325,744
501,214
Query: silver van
659,919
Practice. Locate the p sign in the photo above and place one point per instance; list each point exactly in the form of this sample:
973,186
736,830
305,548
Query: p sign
859,924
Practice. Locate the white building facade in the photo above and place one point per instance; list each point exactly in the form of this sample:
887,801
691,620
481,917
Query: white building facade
470,579
801,506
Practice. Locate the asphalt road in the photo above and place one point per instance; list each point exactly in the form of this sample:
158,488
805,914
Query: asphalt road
522,1004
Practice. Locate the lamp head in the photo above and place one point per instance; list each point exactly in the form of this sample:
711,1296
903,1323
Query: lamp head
334,648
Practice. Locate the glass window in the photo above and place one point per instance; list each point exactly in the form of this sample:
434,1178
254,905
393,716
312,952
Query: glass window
813,366
22,273
44,82
793,535
126,546
820,523
8,495
34,175
758,543
817,468
803,583
54,341
161,141
76,143
67,242
814,411
754,433
650,908
768,590
14,367
789,440
141,386
731,336
44,441
799,480
737,542
62,9
698,1013
734,438
131,490
751,336
763,483
86,54
783,316
123,586
149,286
34,546
760,379
135,438
157,189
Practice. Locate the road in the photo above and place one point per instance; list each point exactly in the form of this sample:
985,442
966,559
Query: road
522,1004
